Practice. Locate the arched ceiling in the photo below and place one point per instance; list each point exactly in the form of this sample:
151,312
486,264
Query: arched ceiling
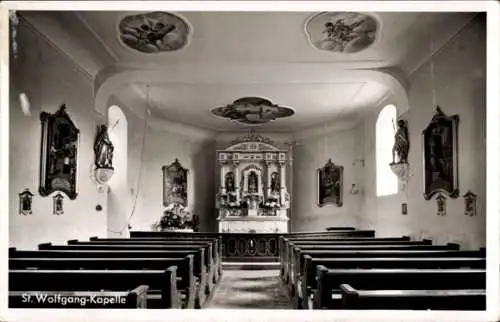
230,55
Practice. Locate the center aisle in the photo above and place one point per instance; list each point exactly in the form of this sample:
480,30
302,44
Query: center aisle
250,289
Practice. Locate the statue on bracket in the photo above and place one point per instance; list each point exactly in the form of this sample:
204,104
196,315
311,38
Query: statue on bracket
441,205
470,203
174,184
330,184
58,204
25,201
103,149
440,155
59,154
401,143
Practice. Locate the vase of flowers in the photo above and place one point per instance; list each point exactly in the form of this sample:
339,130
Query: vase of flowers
174,217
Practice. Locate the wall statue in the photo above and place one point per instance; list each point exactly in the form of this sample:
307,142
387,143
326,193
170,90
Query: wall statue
103,149
401,143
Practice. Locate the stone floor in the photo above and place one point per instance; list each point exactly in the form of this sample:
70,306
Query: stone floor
249,289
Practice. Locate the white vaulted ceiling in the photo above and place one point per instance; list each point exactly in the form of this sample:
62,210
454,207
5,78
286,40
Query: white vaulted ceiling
237,54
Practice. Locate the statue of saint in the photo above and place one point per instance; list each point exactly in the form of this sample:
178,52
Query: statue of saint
103,149
252,182
401,143
275,183
230,182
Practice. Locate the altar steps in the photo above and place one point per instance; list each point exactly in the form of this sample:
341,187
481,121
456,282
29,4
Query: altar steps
251,263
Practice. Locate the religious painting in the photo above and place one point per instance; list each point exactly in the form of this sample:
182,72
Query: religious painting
470,203
25,201
440,156
441,205
275,183
174,184
58,204
154,32
59,148
253,111
342,32
330,184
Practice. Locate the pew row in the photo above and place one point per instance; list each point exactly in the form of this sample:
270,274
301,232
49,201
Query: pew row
306,282
466,299
293,263
200,250
134,299
328,295
186,284
162,292
198,267
216,245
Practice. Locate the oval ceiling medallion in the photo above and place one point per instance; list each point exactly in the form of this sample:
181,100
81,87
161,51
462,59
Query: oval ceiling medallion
154,32
252,110
342,32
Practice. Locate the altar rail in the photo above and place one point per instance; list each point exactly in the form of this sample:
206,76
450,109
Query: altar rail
250,245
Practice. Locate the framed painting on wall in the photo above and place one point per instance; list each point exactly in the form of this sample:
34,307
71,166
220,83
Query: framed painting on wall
58,164
440,155
330,184
175,184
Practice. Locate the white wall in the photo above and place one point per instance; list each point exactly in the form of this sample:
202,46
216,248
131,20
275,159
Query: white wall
49,79
459,69
310,154
162,148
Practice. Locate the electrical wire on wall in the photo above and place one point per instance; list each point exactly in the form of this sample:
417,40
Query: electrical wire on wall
141,166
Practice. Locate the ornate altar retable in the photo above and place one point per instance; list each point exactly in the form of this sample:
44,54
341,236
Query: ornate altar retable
253,195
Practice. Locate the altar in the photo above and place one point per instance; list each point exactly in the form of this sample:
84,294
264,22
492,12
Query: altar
253,193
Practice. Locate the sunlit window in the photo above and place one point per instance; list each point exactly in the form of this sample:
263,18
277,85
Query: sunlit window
387,181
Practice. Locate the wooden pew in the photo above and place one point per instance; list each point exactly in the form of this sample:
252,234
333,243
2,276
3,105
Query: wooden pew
339,228
137,298
199,269
467,299
216,249
293,262
284,244
162,283
306,281
209,271
327,294
185,277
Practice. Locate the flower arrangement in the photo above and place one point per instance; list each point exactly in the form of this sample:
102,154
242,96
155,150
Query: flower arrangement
175,217
271,203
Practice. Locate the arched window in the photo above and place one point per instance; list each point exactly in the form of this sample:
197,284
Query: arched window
387,181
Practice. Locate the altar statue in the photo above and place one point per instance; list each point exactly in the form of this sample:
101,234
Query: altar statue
252,182
103,149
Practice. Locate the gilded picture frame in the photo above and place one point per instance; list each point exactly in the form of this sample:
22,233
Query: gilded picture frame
330,184
440,156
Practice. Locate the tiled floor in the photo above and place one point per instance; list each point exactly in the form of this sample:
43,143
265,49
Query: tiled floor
247,289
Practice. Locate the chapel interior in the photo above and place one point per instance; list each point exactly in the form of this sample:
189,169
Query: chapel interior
272,160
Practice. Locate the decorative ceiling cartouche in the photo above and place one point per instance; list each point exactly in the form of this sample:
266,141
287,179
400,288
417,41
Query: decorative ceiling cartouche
342,32
253,111
154,32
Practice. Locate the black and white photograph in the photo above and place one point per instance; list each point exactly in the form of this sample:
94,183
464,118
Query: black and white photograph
174,161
